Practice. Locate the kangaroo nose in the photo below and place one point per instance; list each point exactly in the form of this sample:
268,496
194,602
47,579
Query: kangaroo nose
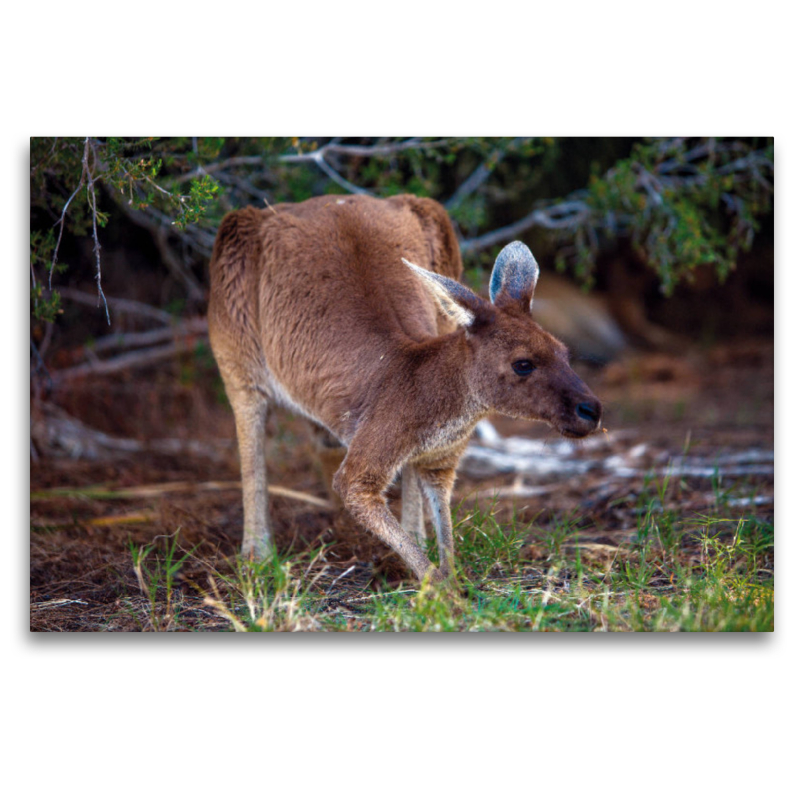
589,411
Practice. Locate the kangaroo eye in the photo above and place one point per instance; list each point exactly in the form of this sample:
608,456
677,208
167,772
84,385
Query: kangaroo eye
523,367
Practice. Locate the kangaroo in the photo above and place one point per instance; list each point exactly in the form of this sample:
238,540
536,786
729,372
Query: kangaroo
349,312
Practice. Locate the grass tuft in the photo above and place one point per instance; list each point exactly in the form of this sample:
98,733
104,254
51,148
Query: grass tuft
671,573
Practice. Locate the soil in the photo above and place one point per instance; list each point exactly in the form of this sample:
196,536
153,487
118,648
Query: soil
706,402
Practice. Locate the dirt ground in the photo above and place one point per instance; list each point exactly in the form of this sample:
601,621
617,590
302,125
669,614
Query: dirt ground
713,405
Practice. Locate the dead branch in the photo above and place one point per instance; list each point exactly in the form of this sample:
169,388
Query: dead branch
531,458
562,215
56,433
126,341
120,304
140,358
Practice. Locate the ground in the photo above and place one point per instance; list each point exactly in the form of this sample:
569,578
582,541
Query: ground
164,557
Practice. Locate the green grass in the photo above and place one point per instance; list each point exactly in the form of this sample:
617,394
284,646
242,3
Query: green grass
673,573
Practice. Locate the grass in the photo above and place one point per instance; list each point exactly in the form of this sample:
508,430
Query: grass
672,573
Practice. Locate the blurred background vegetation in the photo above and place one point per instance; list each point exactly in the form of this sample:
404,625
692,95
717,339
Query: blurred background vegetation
675,233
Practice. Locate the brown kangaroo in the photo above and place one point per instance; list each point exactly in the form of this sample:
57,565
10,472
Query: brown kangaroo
348,311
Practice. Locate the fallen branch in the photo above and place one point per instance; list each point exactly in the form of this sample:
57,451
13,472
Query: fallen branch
497,455
57,433
103,492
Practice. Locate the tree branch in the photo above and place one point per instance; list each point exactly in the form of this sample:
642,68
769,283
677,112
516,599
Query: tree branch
479,176
368,151
125,341
220,166
574,212
119,304
138,358
563,215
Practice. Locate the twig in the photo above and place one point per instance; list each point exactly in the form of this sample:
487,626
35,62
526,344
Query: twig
94,225
337,178
60,223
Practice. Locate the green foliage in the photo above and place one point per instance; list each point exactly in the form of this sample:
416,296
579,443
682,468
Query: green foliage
44,306
66,176
682,203
192,207
684,207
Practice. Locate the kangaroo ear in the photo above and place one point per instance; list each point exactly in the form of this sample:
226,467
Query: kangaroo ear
514,276
452,297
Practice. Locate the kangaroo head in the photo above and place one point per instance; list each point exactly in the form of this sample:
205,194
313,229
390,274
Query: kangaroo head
515,367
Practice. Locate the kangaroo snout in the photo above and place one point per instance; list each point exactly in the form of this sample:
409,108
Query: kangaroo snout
585,419
591,411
